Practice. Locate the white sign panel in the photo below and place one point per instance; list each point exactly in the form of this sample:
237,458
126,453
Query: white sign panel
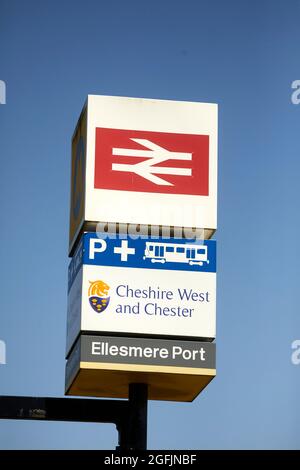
143,161
156,287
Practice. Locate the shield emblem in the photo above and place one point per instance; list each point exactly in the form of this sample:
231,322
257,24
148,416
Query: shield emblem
99,304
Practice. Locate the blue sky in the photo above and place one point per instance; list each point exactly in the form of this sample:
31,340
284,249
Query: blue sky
243,55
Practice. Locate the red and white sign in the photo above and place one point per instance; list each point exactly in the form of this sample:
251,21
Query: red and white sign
151,162
155,162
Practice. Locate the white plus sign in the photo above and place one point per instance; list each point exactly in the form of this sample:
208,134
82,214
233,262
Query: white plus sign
124,250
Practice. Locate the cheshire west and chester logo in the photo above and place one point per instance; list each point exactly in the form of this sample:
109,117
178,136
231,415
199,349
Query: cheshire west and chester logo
98,295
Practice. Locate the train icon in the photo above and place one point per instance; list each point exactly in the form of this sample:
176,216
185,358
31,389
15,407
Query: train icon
191,254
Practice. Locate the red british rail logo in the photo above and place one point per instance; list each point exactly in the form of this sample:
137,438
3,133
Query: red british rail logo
155,162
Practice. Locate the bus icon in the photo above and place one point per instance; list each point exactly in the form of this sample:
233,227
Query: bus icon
176,253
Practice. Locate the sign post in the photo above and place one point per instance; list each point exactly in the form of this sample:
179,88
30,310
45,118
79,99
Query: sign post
141,309
141,317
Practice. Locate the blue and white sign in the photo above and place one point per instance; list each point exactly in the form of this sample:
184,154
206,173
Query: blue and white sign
149,253
147,286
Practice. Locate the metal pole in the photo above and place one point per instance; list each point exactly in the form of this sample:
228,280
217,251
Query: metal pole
68,409
129,416
136,438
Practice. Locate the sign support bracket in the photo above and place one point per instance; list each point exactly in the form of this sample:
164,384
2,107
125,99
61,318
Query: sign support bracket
129,416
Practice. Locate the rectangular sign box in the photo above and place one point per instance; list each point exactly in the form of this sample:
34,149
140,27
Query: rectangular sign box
104,366
144,161
144,286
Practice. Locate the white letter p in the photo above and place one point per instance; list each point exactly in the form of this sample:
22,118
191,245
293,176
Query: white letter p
97,245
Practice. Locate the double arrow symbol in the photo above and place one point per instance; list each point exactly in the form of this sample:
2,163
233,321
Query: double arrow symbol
155,154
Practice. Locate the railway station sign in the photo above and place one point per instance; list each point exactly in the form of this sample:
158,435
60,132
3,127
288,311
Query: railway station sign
144,161
155,287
